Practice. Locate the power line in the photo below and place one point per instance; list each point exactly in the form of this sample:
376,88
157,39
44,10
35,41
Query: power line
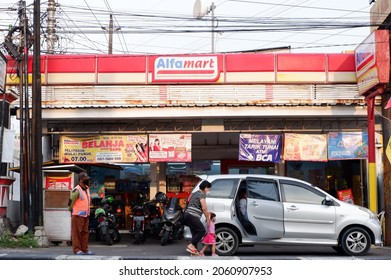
147,27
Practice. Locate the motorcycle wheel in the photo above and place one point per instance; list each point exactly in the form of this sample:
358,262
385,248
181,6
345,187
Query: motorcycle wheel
108,240
139,236
117,236
97,235
165,238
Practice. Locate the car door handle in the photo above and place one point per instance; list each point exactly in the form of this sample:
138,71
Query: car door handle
292,207
254,204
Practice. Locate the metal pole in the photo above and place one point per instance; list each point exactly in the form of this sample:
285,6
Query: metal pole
111,34
27,130
3,171
372,182
51,29
213,26
37,119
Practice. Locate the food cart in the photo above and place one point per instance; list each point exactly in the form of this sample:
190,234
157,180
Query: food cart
58,182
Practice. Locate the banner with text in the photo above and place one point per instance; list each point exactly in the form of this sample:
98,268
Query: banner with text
260,147
305,147
59,182
104,149
348,145
170,147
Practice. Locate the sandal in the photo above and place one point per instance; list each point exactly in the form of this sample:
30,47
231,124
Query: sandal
192,251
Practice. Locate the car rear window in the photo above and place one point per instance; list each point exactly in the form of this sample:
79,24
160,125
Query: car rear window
223,188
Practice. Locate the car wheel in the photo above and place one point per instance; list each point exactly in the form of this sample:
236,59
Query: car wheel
355,241
227,241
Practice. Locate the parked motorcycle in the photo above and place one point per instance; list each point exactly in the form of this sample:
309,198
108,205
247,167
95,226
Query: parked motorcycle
138,218
106,230
172,221
154,219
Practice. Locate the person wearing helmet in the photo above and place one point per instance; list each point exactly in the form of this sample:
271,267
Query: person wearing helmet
109,199
79,205
161,197
99,211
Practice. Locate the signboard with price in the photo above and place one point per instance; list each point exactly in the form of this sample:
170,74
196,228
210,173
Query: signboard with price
104,149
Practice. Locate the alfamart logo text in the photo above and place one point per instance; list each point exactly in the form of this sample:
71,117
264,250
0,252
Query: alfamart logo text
186,68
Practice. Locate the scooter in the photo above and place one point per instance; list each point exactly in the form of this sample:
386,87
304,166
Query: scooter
172,222
138,218
106,230
154,220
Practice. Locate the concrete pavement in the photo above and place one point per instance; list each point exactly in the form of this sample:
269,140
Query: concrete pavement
152,250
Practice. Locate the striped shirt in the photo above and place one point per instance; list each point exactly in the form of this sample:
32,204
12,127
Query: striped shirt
194,206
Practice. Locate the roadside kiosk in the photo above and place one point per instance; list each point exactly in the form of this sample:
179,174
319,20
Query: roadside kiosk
58,182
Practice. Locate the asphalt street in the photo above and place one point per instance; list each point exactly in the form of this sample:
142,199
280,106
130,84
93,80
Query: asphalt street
152,250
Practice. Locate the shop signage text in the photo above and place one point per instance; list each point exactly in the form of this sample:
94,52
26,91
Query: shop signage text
372,59
258,147
186,68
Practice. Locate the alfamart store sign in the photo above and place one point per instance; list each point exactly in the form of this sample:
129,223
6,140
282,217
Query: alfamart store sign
372,59
186,68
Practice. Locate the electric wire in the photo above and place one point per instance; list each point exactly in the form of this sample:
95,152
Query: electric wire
92,12
122,37
76,21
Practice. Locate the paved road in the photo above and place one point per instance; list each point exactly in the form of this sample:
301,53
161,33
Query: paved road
152,249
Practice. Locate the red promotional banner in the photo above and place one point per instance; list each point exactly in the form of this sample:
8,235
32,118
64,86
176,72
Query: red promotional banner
170,147
58,183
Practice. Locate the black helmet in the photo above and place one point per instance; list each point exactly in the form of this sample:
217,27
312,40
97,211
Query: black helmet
161,197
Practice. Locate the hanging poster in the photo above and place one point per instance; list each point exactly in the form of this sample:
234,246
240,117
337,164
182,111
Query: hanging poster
104,149
62,183
348,145
170,147
346,195
260,147
305,147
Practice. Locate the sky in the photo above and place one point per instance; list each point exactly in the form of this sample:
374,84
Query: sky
169,26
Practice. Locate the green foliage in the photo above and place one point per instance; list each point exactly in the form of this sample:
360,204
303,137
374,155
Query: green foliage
24,241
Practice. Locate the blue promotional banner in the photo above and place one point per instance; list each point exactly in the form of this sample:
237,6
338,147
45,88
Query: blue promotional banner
347,145
260,147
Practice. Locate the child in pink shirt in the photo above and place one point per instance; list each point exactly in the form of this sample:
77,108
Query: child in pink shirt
210,237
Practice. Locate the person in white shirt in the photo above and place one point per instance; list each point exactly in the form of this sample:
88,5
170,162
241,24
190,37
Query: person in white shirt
243,204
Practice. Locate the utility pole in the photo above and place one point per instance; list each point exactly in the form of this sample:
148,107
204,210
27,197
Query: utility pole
27,127
111,34
26,195
51,29
212,8
37,119
111,31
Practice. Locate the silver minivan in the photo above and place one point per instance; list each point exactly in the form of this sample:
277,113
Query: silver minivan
286,211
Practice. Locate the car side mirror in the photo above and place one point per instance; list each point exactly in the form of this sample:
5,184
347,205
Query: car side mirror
327,201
